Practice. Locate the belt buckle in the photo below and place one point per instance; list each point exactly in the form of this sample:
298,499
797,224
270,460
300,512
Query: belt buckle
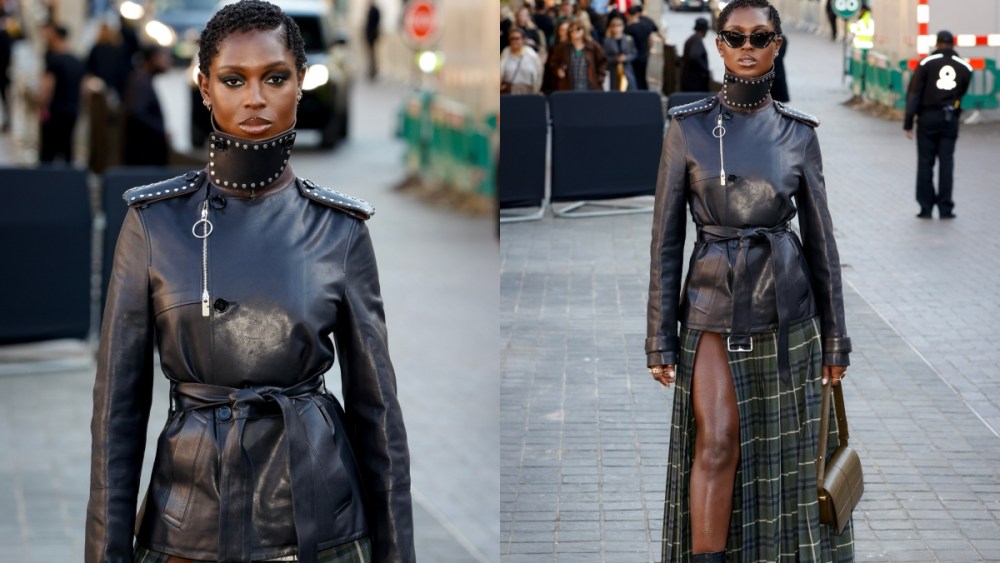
738,347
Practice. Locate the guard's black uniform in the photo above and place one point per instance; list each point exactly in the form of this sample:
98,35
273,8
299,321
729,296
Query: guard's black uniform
934,95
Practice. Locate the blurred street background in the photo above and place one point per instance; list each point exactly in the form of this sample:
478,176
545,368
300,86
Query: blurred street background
376,135
584,427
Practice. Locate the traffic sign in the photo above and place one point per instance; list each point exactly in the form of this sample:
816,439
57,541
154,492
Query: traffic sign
421,24
846,8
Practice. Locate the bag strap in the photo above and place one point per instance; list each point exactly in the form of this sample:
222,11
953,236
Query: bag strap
824,427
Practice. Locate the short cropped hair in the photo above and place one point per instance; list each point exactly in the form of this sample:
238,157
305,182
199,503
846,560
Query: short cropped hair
244,16
772,13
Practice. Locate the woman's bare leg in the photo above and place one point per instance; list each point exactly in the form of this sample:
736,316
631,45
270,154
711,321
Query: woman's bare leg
716,447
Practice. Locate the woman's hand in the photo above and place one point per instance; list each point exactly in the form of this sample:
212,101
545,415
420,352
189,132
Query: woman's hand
834,373
663,374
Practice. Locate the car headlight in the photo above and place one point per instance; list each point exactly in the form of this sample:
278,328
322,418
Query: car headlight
316,76
161,33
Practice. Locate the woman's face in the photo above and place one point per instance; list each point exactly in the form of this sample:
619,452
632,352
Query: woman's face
522,17
617,28
516,40
746,60
576,33
563,32
253,84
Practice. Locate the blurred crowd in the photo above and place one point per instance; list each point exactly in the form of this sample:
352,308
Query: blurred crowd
57,87
548,47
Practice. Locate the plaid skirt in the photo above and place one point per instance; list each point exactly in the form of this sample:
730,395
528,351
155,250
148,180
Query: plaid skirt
775,507
357,551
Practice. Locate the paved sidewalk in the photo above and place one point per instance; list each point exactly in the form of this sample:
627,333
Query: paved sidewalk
584,428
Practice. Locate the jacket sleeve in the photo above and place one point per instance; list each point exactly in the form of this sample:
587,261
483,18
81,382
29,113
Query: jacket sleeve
821,255
914,94
122,398
374,418
667,250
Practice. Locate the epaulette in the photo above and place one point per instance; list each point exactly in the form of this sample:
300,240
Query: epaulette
332,198
802,116
164,189
680,112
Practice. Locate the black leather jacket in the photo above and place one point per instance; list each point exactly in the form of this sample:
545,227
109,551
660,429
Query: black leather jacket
748,268
256,459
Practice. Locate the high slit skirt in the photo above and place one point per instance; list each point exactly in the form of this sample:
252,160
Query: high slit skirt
775,507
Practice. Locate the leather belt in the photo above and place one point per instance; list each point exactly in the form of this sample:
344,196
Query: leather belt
740,340
233,407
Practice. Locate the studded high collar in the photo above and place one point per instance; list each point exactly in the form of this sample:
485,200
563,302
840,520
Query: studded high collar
242,164
746,93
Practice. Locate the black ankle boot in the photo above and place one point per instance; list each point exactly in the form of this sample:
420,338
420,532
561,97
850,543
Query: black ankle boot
714,557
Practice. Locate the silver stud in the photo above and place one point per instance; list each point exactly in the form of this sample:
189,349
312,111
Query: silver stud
228,142
158,193
256,147
243,186
211,163
226,183
253,185
211,155
213,172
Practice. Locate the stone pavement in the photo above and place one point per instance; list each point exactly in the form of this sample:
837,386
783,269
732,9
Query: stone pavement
438,277
584,428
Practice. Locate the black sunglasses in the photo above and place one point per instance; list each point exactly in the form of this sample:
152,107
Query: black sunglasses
758,39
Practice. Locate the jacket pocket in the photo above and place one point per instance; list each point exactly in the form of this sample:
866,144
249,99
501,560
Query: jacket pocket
340,475
187,451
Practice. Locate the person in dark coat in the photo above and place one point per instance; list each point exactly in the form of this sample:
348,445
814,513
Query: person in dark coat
544,22
934,99
107,61
779,90
146,139
372,32
695,75
640,28
6,50
578,64
249,281
620,51
59,97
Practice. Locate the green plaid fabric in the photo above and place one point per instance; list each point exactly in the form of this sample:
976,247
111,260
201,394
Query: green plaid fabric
775,507
357,551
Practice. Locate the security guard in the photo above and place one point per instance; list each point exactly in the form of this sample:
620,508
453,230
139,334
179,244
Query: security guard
935,95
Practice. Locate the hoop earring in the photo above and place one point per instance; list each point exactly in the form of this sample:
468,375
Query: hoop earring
298,97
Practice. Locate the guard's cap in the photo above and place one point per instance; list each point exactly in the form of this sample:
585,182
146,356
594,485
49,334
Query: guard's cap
701,24
946,37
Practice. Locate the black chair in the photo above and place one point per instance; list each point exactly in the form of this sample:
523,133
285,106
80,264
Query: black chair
605,146
45,226
521,170
115,182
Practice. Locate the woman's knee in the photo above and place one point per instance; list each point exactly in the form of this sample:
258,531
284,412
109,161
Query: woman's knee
718,452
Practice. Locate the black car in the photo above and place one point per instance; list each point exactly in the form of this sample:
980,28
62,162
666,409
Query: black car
325,89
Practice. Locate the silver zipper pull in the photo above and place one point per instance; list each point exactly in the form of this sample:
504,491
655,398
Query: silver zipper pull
719,132
207,228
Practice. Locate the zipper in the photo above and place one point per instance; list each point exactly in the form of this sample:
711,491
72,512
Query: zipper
719,132
206,230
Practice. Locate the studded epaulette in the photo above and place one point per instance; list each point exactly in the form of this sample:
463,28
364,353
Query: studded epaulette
802,116
680,112
332,198
164,189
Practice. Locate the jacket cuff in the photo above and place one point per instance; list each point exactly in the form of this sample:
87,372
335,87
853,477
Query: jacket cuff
390,524
661,350
836,351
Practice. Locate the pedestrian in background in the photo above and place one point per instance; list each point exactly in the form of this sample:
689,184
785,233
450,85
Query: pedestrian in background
520,68
6,52
550,79
779,91
146,138
372,30
59,97
831,16
248,279
579,63
591,33
761,315
620,51
533,37
641,29
107,60
934,98
593,18
695,75
543,21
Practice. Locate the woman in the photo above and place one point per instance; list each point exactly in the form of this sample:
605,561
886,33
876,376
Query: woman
761,314
579,64
520,68
242,272
620,49
550,77
533,37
